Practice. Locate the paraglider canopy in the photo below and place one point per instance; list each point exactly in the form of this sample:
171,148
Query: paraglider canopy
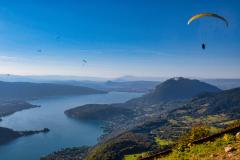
207,15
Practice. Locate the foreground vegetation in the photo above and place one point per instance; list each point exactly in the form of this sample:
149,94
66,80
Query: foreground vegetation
191,146
209,150
132,156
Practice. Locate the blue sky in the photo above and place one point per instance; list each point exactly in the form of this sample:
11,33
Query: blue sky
120,37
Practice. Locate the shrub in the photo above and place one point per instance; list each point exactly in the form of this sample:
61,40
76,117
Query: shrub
195,133
228,138
236,123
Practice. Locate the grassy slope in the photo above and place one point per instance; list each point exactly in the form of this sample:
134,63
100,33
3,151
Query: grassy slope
209,150
132,157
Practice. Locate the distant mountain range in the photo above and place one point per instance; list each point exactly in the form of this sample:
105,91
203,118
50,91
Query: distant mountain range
120,82
26,90
224,84
171,90
46,78
138,78
132,86
129,86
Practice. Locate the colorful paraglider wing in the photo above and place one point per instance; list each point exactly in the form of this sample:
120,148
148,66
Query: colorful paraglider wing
207,15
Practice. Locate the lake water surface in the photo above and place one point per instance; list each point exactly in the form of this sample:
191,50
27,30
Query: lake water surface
64,131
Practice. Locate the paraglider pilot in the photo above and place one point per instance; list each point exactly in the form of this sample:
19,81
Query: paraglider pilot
203,46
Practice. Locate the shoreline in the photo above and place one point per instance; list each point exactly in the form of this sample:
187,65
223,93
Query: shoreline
7,135
9,107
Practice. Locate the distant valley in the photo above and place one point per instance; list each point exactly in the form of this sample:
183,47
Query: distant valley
166,112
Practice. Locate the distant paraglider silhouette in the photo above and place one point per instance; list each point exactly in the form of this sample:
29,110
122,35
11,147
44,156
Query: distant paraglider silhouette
84,62
39,51
58,38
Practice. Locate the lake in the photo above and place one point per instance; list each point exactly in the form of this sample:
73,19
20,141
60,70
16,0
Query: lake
64,131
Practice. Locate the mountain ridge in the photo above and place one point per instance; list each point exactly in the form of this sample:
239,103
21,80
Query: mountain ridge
28,90
179,88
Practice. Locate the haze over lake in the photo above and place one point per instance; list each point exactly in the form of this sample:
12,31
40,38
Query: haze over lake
64,131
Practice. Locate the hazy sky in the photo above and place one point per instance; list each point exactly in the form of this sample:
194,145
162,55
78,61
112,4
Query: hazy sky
119,37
